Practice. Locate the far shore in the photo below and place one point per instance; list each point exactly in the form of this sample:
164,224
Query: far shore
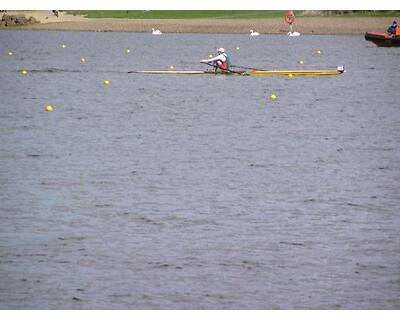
304,25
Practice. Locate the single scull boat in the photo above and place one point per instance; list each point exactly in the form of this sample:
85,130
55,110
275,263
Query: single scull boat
338,71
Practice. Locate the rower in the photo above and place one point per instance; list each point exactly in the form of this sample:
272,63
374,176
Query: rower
221,61
393,28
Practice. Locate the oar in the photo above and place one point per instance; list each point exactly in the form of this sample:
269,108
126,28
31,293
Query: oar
249,68
258,69
211,65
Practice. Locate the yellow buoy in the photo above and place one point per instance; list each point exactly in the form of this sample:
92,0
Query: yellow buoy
49,108
63,46
24,72
237,48
10,53
171,67
273,97
128,50
83,60
106,82
290,75
318,52
301,61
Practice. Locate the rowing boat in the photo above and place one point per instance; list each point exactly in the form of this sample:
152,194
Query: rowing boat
234,73
297,72
383,39
255,72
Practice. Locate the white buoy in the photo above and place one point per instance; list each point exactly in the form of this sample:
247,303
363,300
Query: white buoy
254,33
156,31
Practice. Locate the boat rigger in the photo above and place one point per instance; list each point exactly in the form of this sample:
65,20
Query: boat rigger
334,72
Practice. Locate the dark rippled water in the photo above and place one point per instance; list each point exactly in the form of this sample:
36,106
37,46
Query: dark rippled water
197,192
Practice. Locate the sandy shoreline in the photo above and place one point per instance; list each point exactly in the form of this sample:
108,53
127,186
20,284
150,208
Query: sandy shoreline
304,25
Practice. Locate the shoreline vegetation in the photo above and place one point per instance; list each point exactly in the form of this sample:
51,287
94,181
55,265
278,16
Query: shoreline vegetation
228,14
210,21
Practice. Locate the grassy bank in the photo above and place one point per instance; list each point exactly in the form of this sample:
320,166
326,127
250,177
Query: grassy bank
202,21
227,14
181,14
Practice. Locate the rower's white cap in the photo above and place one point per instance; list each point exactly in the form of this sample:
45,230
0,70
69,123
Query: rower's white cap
222,50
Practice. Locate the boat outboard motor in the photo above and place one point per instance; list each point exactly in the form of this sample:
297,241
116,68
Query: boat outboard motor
341,69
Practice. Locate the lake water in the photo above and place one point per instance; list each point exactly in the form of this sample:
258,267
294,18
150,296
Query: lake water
198,192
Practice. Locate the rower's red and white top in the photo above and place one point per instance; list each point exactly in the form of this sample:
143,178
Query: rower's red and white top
221,59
